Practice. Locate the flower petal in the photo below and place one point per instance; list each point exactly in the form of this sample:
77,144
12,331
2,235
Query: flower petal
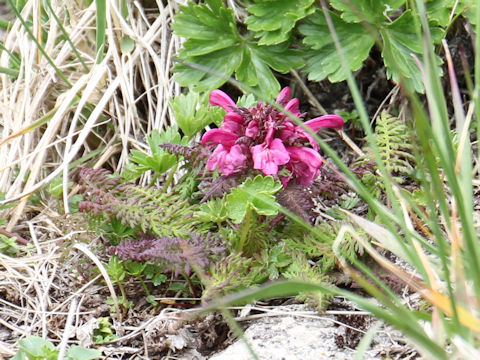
306,155
283,96
252,129
325,121
278,152
219,136
227,160
304,163
233,116
293,107
267,158
219,98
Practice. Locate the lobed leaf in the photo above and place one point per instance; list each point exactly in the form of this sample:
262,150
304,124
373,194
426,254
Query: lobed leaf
371,11
322,59
256,194
273,20
192,114
214,51
401,44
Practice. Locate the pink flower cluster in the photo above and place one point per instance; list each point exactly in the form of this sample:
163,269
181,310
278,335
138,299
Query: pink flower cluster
266,138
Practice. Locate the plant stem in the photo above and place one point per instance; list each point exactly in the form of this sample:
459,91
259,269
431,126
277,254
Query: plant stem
245,229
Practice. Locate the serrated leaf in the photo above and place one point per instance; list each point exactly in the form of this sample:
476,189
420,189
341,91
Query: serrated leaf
254,194
215,51
246,101
468,8
371,11
439,11
273,20
323,60
160,160
213,210
192,113
401,42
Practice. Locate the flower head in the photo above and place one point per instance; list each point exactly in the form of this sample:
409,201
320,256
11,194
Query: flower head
266,139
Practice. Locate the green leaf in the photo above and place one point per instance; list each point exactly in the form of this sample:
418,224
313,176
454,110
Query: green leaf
127,44
160,160
254,194
134,267
215,51
115,269
155,273
469,10
8,245
246,101
439,11
371,11
323,60
213,210
80,353
273,290
37,347
401,42
192,113
273,20
55,187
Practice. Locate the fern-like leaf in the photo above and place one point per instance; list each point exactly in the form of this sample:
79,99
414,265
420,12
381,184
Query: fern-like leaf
145,209
394,142
233,272
175,254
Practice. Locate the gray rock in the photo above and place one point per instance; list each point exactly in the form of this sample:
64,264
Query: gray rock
299,334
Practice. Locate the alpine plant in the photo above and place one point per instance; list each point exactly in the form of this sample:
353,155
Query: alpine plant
266,139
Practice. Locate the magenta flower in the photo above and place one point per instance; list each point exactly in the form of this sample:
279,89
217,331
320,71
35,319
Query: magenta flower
227,160
266,139
304,163
267,156
219,98
219,136
325,121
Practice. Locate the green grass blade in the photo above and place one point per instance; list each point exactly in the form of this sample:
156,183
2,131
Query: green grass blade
10,72
5,24
39,46
101,26
66,35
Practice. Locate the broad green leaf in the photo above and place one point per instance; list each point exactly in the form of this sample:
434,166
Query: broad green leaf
372,11
36,347
256,194
402,42
273,20
469,10
323,60
214,51
439,11
80,353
